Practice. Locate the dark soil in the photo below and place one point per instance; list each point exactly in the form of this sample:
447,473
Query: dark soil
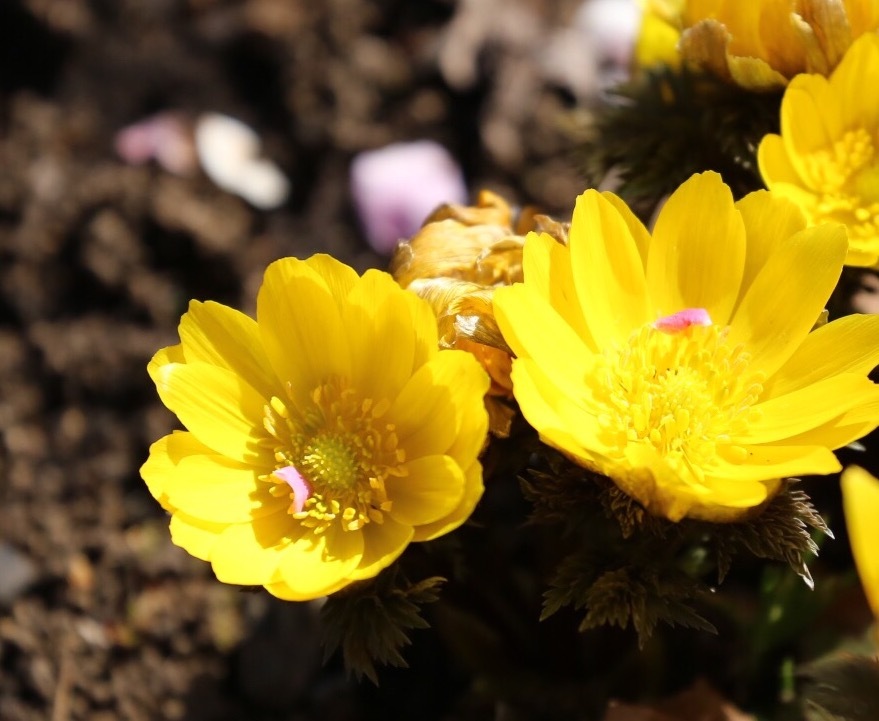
101,617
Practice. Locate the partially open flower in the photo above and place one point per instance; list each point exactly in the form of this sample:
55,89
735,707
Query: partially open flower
758,44
681,364
322,438
860,494
826,159
457,259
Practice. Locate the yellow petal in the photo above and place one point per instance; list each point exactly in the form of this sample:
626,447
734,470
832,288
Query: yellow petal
698,251
847,345
339,278
219,408
383,544
425,413
855,423
769,221
647,477
788,293
808,123
424,329
314,565
657,43
640,234
774,163
765,462
300,326
473,489
535,330
809,407
281,590
165,453
249,553
732,493
607,269
213,488
858,69
221,336
431,489
378,323
562,423
860,496
471,421
195,536
163,357
546,264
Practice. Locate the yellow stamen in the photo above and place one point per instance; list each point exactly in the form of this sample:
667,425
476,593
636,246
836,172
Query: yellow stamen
339,444
684,393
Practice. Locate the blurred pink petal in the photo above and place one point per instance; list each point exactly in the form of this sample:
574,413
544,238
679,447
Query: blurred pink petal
165,138
396,187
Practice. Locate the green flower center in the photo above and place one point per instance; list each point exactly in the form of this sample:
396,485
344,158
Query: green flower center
330,458
342,448
683,392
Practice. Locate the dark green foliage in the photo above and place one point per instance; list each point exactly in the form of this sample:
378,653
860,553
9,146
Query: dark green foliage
662,127
842,688
624,566
781,532
623,595
369,621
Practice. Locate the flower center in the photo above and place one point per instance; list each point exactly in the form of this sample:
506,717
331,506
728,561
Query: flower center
334,451
846,177
680,388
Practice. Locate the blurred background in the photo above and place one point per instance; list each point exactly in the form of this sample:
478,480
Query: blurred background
154,152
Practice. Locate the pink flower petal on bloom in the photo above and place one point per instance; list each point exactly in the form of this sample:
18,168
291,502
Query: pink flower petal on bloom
682,320
396,187
300,487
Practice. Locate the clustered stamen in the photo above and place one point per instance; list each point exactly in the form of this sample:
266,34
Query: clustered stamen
847,178
341,448
685,393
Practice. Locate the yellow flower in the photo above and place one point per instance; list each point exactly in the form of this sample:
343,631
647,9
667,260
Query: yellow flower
657,41
860,495
827,157
758,44
681,364
323,436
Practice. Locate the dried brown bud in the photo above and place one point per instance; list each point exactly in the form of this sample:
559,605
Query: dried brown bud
457,259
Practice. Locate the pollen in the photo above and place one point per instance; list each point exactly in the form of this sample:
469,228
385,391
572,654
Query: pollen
343,448
684,393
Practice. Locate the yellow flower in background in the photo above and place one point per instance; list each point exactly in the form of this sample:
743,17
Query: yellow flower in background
322,437
827,157
681,364
657,41
758,44
860,495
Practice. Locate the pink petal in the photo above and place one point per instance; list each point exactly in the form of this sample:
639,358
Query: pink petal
300,487
682,320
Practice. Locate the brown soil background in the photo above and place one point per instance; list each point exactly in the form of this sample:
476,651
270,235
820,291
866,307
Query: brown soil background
101,617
